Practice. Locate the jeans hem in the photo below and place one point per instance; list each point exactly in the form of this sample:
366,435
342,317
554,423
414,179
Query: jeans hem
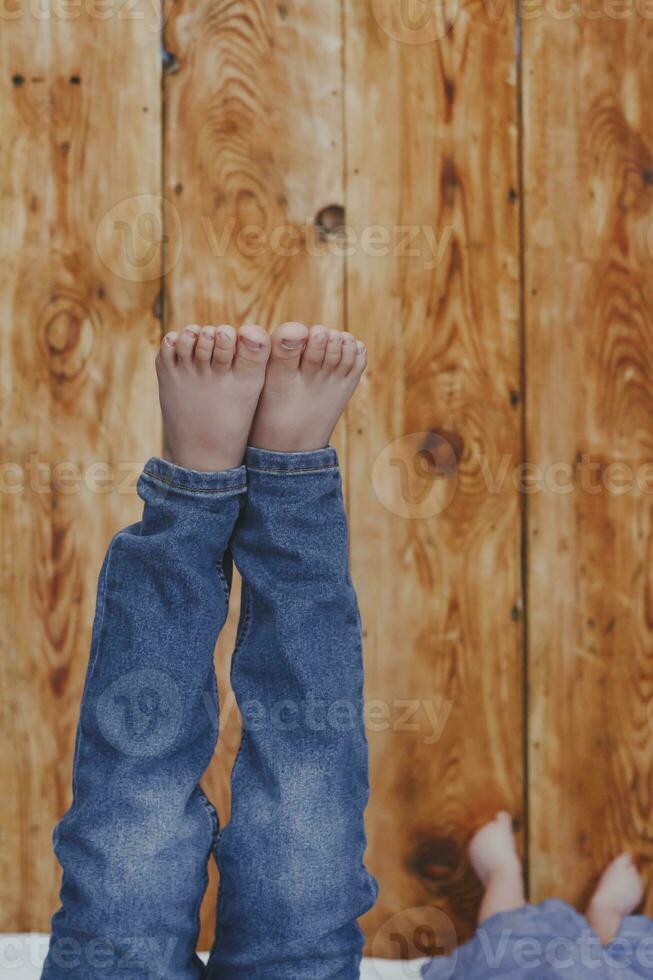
176,477
290,464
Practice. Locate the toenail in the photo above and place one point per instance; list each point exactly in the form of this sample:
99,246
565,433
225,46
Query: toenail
193,331
252,344
171,339
320,337
225,335
360,346
208,332
292,344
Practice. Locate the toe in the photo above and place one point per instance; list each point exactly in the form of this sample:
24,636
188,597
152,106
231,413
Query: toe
314,353
253,348
333,351
225,347
348,354
360,361
624,862
185,346
166,356
288,343
204,346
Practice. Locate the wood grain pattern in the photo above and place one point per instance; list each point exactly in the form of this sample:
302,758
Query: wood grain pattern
435,548
589,176
254,165
76,389
353,163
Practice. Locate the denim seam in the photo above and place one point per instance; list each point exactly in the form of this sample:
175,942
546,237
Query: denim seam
312,469
243,631
200,490
92,666
223,582
243,626
212,817
212,814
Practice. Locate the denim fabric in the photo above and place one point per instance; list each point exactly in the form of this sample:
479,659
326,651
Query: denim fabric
551,941
291,858
135,844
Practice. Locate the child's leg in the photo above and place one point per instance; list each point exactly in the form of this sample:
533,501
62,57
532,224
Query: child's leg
493,855
135,843
291,859
617,895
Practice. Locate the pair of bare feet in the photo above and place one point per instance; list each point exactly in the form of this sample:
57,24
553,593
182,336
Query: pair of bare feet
493,855
222,389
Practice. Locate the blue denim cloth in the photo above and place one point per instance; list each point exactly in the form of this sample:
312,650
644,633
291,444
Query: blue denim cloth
135,844
550,941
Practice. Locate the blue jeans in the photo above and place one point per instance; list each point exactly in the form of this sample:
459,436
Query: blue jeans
136,841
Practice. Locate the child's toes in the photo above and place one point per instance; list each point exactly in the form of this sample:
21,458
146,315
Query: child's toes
333,350
185,346
166,356
225,346
204,346
360,361
252,351
313,355
288,343
348,354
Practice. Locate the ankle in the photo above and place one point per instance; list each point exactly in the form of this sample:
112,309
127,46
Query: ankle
508,872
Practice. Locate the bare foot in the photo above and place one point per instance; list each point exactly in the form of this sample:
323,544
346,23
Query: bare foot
210,380
493,847
310,378
493,855
617,894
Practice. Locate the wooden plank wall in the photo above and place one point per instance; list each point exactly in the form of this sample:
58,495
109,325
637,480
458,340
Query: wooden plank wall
588,146
435,555
378,167
80,230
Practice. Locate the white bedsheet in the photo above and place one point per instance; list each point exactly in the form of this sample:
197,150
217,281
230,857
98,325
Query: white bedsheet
21,958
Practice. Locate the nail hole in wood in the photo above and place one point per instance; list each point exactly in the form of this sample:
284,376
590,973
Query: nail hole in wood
330,221
170,62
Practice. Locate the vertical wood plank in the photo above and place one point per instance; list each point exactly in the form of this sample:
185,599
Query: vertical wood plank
589,206
254,168
432,178
79,169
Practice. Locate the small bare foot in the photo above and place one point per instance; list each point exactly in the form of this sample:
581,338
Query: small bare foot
617,894
493,855
210,379
311,375
493,847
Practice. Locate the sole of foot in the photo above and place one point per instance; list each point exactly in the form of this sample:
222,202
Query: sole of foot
493,848
620,889
310,377
210,380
